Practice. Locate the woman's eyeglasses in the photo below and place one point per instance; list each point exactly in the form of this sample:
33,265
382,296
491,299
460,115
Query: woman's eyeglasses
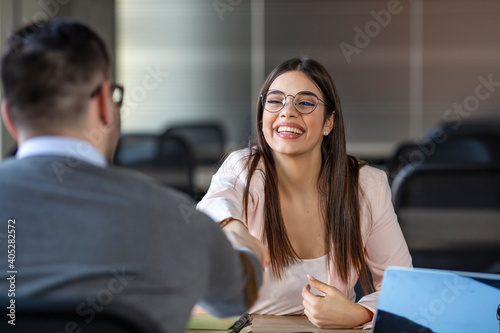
304,102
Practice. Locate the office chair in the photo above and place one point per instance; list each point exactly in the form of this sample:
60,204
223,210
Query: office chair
471,127
175,164
485,130
450,214
447,186
137,150
35,315
405,153
479,148
206,140
455,150
166,158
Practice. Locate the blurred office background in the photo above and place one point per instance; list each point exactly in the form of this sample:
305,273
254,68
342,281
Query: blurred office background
419,83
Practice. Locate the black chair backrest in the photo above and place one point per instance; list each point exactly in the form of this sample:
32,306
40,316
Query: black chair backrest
472,127
452,151
406,153
176,162
207,141
136,150
43,316
449,215
167,158
447,186
460,150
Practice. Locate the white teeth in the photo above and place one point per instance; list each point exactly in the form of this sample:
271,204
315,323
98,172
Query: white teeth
282,129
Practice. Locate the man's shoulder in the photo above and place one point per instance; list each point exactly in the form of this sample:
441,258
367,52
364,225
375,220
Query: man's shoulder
76,173
8,162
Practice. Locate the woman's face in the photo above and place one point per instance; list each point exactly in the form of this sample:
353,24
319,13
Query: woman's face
288,131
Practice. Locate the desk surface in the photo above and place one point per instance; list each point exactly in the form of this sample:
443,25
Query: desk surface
286,324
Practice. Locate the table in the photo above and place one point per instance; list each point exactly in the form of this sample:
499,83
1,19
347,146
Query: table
285,324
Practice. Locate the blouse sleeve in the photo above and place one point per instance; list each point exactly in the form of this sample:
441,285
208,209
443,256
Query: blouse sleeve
384,242
224,196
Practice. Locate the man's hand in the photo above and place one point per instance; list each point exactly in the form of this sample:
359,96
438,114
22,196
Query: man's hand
239,237
333,310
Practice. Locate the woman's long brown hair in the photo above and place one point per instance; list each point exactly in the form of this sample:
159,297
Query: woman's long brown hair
338,183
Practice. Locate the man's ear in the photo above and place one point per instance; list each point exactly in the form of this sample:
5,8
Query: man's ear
7,120
106,115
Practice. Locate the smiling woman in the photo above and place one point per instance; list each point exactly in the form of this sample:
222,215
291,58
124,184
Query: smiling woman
322,215
293,128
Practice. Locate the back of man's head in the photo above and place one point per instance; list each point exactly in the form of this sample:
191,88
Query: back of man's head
50,70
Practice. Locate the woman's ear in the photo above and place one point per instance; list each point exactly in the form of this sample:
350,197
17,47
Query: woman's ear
7,120
329,123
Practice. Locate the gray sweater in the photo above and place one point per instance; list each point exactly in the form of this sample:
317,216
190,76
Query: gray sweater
104,234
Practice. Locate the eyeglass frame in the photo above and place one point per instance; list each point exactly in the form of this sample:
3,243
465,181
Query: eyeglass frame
113,87
310,93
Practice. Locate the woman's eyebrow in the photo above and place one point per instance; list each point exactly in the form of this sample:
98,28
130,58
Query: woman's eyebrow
308,93
305,92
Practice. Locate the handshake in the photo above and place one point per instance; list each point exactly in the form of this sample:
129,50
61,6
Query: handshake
239,237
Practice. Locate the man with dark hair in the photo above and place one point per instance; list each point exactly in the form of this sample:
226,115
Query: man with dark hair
83,229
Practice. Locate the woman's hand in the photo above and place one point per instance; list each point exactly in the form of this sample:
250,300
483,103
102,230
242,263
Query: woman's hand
239,236
333,310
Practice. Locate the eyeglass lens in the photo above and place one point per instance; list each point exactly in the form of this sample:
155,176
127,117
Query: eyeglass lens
274,101
117,95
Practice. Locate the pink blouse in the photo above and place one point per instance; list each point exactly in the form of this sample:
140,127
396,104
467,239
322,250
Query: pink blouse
382,237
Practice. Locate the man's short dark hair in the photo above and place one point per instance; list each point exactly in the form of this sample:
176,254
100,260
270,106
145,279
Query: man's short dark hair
50,69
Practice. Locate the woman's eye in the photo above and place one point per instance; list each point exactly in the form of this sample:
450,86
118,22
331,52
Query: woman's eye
306,103
274,101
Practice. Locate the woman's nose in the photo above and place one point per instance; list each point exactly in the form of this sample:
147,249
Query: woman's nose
289,109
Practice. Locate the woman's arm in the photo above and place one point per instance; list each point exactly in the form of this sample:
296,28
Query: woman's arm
384,241
239,236
223,201
224,197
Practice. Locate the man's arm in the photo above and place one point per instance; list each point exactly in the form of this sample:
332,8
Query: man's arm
236,272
